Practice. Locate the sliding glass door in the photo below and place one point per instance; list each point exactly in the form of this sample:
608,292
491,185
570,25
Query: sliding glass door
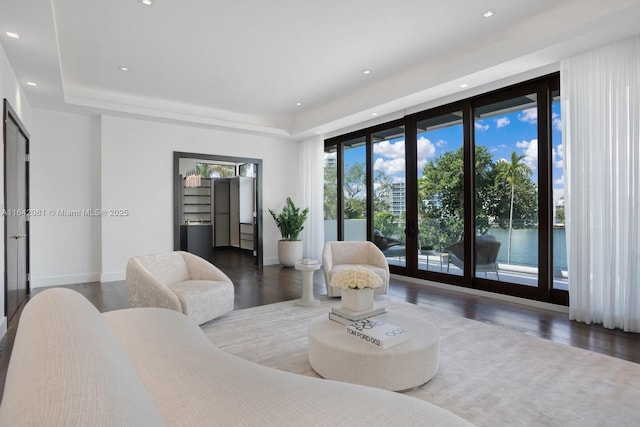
354,189
389,194
506,190
440,195
468,193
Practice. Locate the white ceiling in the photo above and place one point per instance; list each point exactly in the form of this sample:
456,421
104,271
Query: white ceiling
245,64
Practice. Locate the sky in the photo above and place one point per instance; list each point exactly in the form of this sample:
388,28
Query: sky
502,134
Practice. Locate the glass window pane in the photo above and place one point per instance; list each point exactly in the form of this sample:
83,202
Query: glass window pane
440,193
506,190
215,170
390,202
247,169
560,271
354,189
330,194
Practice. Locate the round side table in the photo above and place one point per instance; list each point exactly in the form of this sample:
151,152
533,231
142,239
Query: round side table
307,284
337,356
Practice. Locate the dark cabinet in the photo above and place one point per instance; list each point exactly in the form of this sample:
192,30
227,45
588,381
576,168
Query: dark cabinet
197,239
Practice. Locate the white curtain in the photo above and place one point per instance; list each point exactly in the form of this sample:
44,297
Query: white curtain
311,167
601,138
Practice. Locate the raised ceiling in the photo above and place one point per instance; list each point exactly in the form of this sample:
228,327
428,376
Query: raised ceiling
248,64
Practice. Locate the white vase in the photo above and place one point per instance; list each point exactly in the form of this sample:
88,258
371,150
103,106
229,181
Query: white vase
357,299
290,252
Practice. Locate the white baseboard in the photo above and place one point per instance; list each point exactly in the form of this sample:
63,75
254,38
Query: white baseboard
68,279
270,261
486,294
114,276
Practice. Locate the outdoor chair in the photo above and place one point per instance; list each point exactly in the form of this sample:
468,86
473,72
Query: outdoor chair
389,246
487,248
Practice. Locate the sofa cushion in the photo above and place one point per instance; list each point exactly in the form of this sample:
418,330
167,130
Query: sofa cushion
203,300
67,368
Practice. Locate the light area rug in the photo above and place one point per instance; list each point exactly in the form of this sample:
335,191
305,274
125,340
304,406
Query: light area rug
488,374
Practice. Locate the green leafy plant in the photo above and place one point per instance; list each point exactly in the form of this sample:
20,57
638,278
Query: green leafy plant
290,221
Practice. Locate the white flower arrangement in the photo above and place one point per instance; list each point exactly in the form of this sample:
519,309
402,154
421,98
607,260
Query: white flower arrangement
356,278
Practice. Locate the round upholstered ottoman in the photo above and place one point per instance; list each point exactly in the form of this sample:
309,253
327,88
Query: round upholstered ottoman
337,356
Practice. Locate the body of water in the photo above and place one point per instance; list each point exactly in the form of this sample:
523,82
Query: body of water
524,247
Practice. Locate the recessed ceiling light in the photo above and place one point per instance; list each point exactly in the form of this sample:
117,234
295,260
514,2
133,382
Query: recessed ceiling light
146,2
32,84
298,103
123,68
374,114
13,35
366,71
489,13
463,85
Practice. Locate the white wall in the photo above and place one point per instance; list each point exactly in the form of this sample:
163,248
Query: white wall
11,90
81,163
137,165
65,184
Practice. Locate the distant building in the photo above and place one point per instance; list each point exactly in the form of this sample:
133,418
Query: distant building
398,202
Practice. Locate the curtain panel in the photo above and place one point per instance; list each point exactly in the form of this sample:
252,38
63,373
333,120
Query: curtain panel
311,167
601,144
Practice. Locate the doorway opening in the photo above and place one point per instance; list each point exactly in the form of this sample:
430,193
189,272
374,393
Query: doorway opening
16,211
217,204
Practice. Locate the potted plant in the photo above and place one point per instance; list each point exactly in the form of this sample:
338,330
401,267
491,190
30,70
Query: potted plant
290,222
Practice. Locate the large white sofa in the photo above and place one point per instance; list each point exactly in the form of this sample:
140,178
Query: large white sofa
72,366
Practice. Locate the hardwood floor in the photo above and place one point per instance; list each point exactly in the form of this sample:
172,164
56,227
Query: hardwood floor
259,286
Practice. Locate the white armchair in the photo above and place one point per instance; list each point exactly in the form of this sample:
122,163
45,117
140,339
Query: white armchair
179,281
337,256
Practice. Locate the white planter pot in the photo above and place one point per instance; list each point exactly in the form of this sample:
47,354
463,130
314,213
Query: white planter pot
289,252
357,299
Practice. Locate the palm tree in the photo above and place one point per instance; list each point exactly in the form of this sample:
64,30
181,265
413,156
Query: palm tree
512,173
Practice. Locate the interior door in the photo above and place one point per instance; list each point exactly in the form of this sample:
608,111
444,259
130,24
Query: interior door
16,148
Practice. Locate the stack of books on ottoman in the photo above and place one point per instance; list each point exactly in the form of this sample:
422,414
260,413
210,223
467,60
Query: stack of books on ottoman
367,327
347,317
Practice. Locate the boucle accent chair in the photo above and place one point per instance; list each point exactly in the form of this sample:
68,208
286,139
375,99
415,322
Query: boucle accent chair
179,281
342,255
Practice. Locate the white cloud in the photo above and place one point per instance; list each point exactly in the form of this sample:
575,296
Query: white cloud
389,167
557,121
531,154
441,143
559,181
481,126
529,116
426,149
502,122
558,156
530,151
391,156
389,150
